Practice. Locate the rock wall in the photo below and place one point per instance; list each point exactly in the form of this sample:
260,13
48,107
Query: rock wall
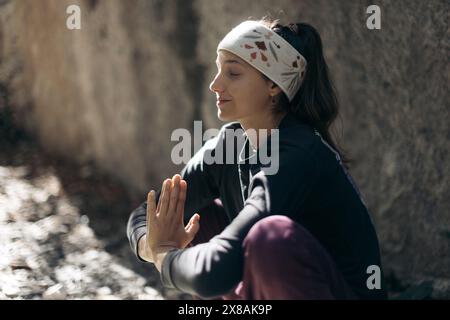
111,93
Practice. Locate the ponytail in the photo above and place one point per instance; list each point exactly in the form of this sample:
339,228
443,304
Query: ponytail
315,103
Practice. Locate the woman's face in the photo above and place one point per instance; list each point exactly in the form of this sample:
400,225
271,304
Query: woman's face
247,92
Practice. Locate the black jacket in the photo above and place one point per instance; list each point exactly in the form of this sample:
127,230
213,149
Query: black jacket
311,187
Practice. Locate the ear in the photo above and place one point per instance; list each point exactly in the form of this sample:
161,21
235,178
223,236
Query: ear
274,89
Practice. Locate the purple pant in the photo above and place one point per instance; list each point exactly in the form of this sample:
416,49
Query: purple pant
282,260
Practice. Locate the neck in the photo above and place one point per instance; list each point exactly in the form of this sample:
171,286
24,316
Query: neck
254,124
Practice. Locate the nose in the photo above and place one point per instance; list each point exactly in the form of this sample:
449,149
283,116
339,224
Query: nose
216,85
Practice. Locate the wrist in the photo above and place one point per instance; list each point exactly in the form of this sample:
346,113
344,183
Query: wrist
142,251
160,253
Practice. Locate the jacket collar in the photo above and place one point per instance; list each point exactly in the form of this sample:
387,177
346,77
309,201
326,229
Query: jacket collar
289,120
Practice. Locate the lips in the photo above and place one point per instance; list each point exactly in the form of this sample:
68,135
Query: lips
222,101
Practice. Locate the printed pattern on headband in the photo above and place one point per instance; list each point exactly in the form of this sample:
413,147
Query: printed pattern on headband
258,45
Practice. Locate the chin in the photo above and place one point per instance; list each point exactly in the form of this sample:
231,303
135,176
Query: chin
224,117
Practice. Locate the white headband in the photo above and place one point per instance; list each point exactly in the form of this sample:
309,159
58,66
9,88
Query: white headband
269,53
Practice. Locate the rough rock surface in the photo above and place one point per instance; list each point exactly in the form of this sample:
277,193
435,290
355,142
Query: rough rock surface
112,93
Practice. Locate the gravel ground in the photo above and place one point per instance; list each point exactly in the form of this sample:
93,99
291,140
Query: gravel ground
62,232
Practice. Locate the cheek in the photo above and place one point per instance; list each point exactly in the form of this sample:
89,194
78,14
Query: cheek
255,95
248,91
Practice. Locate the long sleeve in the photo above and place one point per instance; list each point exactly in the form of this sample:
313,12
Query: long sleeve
203,181
212,269
311,188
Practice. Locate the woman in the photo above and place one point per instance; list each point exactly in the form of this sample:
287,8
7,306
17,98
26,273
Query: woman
301,233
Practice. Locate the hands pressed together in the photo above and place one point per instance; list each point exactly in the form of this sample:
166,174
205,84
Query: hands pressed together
165,225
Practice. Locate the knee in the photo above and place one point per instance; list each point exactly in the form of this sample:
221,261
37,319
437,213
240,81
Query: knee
273,233
279,242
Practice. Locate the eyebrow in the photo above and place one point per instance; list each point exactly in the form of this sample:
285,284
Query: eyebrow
230,61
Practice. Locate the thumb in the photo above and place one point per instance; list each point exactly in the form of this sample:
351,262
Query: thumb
193,225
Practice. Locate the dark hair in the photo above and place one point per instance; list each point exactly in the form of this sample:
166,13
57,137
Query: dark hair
315,103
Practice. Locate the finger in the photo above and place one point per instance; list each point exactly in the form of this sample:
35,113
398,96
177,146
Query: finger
181,200
174,195
158,208
165,197
193,226
151,209
191,222
186,228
